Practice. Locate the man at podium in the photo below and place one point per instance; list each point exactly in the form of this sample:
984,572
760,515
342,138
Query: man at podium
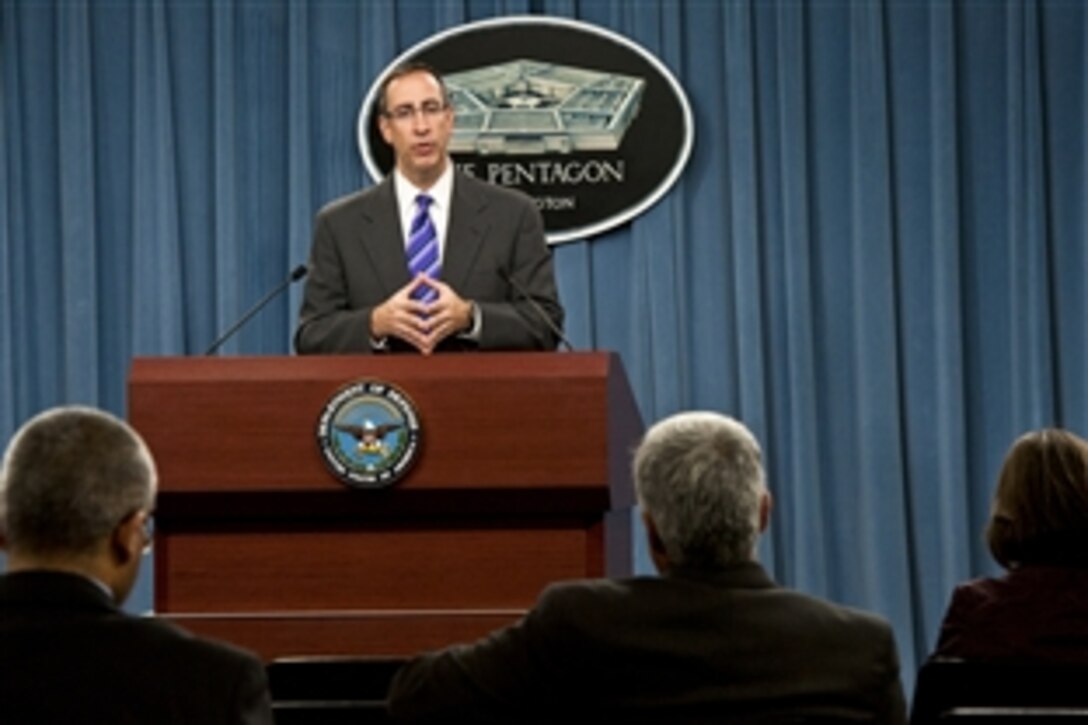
429,259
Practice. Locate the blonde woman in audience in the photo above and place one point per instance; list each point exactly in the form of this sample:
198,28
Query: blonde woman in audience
1038,531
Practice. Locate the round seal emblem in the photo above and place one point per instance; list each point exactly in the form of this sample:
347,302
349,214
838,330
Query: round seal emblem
369,434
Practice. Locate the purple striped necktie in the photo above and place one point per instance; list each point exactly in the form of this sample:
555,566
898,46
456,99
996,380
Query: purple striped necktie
423,249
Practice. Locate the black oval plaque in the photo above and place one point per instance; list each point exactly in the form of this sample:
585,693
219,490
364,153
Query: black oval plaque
588,123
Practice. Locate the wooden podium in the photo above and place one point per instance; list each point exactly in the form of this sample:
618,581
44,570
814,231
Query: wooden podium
523,478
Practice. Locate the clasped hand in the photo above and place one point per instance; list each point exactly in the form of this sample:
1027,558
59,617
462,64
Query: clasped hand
421,324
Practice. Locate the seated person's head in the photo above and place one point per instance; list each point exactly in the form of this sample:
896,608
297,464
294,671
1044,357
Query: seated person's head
700,484
76,489
1040,507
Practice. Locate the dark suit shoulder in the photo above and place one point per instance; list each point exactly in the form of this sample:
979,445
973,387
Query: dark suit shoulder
55,665
576,592
169,638
749,595
592,607
357,201
474,188
813,610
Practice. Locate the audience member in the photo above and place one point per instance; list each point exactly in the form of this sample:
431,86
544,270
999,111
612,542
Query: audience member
1038,531
712,639
77,489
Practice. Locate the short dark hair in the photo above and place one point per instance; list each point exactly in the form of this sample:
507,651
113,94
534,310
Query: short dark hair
404,69
69,476
1040,506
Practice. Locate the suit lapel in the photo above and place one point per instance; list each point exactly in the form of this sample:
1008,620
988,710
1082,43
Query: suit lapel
465,234
383,239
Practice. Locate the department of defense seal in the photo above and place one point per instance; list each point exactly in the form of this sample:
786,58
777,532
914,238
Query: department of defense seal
368,434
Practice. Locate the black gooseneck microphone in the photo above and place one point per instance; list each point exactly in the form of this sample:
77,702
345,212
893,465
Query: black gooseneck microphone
296,274
540,311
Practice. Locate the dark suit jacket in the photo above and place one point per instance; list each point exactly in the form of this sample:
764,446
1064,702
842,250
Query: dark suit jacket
358,261
1034,613
68,655
729,646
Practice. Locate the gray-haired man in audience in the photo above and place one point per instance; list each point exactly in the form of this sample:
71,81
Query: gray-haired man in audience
712,639
77,488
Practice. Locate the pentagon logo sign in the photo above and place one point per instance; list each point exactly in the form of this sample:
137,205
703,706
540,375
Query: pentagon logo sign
368,434
589,124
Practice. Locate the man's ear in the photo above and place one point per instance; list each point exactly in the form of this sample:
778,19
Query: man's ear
766,503
657,546
383,127
128,539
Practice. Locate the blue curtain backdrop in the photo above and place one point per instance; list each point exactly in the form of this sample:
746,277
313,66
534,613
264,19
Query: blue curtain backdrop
876,256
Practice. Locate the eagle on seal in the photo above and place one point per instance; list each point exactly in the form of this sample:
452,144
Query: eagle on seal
371,437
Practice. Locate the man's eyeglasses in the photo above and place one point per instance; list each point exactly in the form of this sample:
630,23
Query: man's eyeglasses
430,110
147,525
149,532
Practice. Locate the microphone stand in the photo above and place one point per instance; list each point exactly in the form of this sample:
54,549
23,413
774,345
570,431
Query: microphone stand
296,274
540,311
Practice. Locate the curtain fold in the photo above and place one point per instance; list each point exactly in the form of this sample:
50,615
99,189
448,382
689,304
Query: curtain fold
226,200
300,179
78,238
157,271
876,256
7,248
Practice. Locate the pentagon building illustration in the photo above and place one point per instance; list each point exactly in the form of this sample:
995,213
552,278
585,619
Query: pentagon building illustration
530,107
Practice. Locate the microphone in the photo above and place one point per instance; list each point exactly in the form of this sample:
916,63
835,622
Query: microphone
540,311
296,274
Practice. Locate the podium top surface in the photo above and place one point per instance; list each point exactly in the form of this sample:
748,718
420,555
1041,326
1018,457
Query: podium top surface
464,366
